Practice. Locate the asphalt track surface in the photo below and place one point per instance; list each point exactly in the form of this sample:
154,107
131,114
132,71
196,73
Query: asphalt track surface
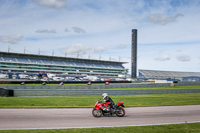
11,119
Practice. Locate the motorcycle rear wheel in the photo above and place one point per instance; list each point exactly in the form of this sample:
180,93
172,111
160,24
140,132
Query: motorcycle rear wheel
120,112
97,113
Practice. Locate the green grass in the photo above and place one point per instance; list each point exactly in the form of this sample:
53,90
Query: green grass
177,128
89,101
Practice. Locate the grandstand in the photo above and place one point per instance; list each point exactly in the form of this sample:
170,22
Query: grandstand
30,64
169,75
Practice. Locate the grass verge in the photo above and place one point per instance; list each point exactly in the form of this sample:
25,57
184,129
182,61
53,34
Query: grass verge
177,128
89,101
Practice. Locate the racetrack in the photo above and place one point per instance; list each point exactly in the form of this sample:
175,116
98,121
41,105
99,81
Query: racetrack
82,117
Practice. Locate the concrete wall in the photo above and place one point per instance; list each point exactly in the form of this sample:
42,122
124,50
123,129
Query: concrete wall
82,86
86,92
14,87
96,90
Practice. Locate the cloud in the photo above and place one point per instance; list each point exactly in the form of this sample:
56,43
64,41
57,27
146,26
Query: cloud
98,50
51,3
11,39
75,29
82,49
45,31
163,58
78,30
77,48
183,58
163,19
121,46
179,50
67,30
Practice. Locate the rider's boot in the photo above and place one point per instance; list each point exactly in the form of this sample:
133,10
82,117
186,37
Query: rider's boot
114,108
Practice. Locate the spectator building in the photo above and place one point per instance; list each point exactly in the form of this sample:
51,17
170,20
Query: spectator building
30,64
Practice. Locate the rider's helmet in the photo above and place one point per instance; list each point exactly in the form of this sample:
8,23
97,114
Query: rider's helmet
104,95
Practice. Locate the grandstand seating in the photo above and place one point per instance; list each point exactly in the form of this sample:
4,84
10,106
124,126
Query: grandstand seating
69,63
89,64
23,60
98,65
79,64
37,61
34,63
156,74
9,59
46,61
56,62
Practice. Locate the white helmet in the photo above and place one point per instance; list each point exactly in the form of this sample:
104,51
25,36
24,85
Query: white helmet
104,95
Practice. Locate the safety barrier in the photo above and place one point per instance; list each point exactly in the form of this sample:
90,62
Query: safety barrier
6,92
145,85
95,90
85,92
83,86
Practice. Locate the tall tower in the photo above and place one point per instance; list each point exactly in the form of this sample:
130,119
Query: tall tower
134,54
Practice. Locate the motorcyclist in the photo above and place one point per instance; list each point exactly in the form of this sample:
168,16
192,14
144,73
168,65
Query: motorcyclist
108,99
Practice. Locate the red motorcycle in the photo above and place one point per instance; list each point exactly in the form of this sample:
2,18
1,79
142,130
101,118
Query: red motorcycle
105,109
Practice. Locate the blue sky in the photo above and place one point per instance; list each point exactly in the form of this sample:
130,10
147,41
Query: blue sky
168,30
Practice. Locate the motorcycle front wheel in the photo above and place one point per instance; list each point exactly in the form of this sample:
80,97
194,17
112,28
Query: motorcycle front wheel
97,113
120,112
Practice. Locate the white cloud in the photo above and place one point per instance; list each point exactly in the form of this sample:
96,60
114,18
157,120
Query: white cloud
83,49
51,3
67,30
183,58
99,49
75,30
163,58
178,50
77,49
163,19
45,31
11,39
78,30
121,46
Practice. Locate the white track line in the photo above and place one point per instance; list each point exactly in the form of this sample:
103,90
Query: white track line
101,126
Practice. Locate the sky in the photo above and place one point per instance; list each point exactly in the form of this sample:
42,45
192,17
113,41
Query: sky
168,30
